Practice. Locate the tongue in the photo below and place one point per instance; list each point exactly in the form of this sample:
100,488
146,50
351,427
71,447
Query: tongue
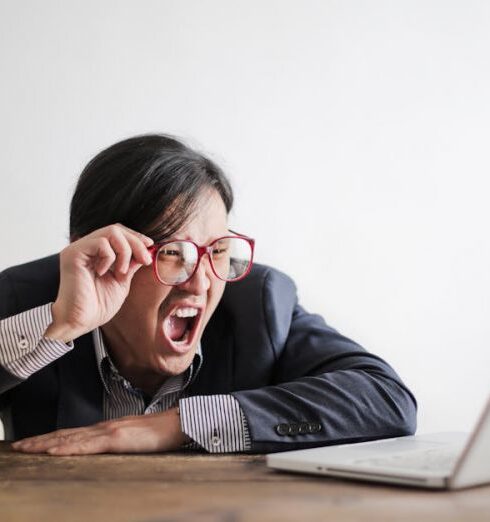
175,327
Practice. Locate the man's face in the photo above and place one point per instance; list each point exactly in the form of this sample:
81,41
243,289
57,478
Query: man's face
145,336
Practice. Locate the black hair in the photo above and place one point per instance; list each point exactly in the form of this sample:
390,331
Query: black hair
149,183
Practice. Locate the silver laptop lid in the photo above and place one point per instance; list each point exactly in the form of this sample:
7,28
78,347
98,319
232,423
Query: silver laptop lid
473,466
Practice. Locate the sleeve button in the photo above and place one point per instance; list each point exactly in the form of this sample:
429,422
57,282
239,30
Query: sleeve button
293,429
313,427
303,428
215,441
23,344
282,429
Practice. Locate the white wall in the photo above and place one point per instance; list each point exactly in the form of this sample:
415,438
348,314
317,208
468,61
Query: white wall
356,135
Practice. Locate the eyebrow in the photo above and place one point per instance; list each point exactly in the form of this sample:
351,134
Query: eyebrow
230,233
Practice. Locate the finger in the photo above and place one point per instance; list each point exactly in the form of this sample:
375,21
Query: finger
39,446
105,256
45,436
128,245
119,243
148,241
133,268
116,245
139,250
105,437
106,231
87,446
41,442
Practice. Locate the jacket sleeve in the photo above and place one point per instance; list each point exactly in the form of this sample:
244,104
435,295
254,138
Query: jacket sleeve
7,307
23,348
326,388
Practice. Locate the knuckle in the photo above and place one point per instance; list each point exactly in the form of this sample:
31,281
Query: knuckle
114,231
111,427
116,433
115,430
104,244
65,254
140,235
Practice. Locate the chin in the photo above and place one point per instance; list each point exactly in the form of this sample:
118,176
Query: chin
174,364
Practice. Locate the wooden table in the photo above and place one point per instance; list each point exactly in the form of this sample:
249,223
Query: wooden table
198,487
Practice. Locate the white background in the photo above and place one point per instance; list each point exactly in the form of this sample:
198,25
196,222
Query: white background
356,135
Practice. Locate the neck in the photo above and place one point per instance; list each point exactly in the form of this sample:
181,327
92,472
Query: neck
140,377
146,381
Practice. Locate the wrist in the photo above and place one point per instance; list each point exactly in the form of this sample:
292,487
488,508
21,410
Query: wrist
184,438
58,330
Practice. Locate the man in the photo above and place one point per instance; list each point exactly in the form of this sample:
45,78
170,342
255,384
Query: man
128,341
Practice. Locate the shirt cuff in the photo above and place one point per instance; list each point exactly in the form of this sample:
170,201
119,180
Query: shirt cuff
215,422
23,348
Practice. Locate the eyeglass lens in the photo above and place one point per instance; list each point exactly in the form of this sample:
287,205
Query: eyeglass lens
230,257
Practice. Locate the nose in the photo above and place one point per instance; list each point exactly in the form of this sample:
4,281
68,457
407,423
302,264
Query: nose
200,282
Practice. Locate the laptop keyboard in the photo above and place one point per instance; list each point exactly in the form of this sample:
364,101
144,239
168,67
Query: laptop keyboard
427,460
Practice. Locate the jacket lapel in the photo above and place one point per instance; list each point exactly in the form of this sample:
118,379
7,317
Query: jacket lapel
81,398
216,373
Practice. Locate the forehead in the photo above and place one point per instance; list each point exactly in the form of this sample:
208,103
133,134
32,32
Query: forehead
208,221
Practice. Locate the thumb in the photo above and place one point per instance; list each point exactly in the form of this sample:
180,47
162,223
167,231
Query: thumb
134,266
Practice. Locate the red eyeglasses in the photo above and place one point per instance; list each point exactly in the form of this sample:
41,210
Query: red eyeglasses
176,261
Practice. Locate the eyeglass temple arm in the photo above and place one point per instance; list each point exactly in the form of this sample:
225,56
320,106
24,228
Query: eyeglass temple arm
240,235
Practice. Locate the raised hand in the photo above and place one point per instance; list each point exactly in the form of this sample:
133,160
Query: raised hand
95,278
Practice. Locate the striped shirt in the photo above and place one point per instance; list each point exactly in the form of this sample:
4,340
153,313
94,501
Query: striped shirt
215,423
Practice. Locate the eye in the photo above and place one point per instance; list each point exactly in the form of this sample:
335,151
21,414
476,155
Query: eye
221,247
219,250
169,253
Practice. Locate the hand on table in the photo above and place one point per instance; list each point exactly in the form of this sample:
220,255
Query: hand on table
150,433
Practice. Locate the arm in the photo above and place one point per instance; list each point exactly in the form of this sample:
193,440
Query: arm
94,280
7,379
89,293
24,349
215,423
326,389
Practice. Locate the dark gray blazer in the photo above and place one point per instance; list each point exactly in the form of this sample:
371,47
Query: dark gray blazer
298,381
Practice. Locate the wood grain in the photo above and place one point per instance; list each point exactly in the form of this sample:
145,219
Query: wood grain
199,487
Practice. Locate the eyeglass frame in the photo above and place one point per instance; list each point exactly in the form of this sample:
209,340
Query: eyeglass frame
201,251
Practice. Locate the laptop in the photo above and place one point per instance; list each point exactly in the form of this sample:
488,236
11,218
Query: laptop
440,460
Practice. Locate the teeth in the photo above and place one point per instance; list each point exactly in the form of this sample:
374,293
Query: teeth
185,312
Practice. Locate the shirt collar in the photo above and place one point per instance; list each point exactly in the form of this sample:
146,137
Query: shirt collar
106,366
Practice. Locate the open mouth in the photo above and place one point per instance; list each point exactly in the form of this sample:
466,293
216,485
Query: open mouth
181,325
